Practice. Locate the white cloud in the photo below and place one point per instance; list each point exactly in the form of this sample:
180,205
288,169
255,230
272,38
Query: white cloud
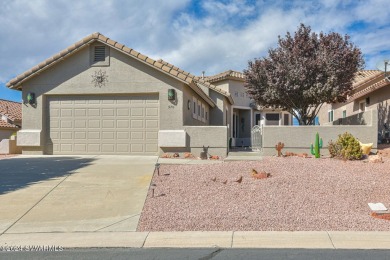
216,36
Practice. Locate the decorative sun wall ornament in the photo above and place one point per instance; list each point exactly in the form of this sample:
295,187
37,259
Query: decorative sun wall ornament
100,78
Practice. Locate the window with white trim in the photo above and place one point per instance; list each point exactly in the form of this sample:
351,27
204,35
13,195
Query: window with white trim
194,106
344,113
362,106
199,110
203,112
330,115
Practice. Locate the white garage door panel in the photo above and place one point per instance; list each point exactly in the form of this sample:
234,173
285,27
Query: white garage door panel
103,125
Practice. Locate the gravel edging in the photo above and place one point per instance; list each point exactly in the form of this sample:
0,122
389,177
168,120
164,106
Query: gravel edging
304,194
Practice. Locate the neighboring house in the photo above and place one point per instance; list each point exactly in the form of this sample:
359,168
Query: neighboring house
370,91
101,97
10,118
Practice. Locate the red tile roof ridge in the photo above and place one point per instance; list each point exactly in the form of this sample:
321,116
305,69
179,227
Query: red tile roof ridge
225,75
197,79
182,76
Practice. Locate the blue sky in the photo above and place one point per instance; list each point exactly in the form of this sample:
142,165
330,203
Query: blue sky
210,35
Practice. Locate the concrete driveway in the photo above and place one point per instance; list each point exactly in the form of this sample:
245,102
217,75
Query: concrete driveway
73,193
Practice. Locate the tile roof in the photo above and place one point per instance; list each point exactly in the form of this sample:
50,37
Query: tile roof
164,67
12,110
4,124
229,74
200,80
370,88
364,76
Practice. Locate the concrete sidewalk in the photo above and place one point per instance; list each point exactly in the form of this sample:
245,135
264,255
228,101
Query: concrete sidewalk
228,239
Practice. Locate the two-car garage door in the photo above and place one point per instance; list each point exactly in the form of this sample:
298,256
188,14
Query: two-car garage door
103,124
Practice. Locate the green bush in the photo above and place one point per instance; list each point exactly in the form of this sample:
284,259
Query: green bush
334,149
346,147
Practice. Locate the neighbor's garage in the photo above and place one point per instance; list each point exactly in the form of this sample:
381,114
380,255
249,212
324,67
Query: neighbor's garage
96,124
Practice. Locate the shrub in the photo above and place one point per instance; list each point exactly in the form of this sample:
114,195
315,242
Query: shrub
334,149
346,147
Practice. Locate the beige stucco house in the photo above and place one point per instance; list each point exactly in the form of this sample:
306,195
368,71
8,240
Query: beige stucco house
370,92
101,97
10,118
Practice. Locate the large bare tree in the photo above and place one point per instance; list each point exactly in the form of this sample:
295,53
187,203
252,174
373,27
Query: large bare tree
303,72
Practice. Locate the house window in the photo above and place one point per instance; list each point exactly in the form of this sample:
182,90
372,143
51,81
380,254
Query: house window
286,119
344,113
272,119
236,94
199,110
362,106
257,119
194,107
330,116
203,112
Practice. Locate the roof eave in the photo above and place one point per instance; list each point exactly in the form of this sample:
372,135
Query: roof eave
202,94
373,87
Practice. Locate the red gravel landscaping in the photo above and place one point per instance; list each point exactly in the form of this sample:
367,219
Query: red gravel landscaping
301,194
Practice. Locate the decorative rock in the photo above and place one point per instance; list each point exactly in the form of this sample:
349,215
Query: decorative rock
260,175
289,154
188,155
239,180
214,157
375,159
385,216
384,153
166,155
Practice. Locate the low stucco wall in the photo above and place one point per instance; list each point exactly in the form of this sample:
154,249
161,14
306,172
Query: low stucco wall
214,137
8,146
298,139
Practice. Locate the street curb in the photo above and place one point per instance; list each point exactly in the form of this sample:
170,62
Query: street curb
202,239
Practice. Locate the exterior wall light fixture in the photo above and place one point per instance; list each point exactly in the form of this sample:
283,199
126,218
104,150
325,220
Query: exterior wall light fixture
171,94
31,98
